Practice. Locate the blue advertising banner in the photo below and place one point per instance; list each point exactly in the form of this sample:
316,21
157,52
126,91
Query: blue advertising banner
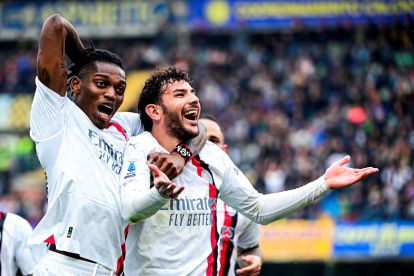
257,14
377,240
91,18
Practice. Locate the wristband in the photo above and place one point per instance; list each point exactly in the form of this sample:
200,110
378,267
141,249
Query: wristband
184,151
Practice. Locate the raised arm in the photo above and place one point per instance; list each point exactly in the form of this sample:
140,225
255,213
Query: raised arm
57,39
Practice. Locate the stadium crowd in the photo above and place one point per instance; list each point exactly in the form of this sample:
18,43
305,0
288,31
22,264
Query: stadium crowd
291,103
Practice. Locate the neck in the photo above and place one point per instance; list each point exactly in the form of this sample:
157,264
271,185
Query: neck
167,141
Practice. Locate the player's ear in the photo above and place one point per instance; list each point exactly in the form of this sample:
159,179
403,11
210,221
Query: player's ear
226,148
75,85
153,111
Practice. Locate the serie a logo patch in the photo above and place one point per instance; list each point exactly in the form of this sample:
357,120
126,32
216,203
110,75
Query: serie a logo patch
131,171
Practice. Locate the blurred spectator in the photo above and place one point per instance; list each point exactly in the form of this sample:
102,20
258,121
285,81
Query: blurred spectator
292,102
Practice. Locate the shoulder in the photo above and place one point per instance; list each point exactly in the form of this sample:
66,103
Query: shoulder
212,148
17,223
212,154
125,117
130,122
143,138
143,142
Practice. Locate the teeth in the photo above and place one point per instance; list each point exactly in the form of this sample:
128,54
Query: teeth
191,112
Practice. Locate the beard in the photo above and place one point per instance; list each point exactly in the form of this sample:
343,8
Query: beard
175,126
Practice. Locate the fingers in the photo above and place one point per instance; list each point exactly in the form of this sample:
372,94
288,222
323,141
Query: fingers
153,157
247,271
343,161
363,173
169,164
251,265
170,190
177,192
154,169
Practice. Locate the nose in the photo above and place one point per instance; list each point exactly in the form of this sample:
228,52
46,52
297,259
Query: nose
194,99
110,93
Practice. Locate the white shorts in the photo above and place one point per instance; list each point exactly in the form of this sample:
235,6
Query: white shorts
55,264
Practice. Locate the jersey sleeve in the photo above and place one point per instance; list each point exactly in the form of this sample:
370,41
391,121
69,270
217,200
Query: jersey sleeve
237,192
46,112
249,236
24,256
138,199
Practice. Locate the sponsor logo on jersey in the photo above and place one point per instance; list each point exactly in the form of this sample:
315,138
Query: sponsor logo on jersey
190,211
107,152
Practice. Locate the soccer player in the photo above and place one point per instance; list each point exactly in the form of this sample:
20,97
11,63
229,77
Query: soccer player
239,236
80,145
15,254
176,231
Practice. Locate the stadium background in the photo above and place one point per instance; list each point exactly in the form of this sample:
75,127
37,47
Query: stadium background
296,84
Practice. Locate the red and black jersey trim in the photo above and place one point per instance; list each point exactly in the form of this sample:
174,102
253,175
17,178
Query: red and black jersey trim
212,259
227,241
121,260
118,127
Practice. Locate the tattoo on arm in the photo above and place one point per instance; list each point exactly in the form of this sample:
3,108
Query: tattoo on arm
44,76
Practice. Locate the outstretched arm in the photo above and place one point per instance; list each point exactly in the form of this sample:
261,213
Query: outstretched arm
57,39
264,209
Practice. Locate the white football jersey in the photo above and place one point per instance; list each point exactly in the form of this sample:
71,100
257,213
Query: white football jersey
82,164
15,253
181,237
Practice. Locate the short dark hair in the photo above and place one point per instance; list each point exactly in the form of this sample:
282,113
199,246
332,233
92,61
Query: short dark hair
151,92
210,117
82,67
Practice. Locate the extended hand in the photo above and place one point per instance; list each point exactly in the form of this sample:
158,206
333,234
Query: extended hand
163,184
170,164
254,265
339,176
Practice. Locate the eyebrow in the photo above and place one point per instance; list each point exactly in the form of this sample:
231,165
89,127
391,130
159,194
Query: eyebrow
183,90
106,76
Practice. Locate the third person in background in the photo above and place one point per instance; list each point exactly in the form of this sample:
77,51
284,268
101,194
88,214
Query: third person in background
239,236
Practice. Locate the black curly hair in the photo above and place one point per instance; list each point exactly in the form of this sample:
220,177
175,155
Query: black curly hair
87,62
151,92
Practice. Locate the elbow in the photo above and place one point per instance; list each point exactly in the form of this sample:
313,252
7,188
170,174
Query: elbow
266,219
55,21
262,221
129,218
127,213
54,27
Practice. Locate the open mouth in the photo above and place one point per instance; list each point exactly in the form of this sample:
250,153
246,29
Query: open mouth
105,109
191,114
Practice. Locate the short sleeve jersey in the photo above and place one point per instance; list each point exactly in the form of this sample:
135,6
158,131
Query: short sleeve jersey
82,164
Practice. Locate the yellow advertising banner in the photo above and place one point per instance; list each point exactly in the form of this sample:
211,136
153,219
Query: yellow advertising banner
303,240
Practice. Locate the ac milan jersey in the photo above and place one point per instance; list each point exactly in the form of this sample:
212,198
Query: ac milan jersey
181,237
82,164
